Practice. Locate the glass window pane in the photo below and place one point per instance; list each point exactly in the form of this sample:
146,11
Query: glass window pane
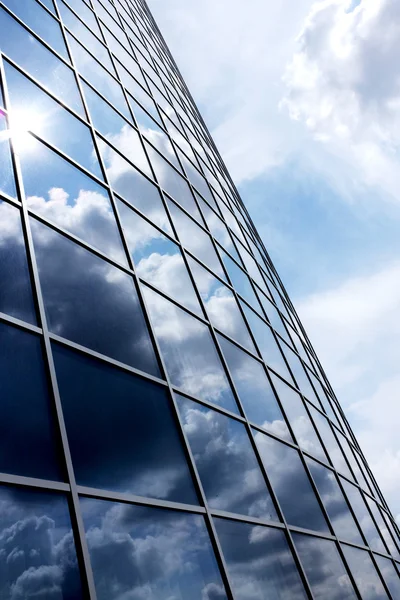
195,239
98,77
217,228
157,259
298,418
91,302
7,183
30,54
141,95
365,575
259,561
49,120
390,575
286,474
84,12
266,342
335,504
28,435
221,305
334,452
189,353
39,20
15,286
364,518
255,392
230,474
147,553
324,568
148,458
59,192
37,549
240,281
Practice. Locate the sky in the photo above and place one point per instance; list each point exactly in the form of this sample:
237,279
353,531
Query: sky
303,101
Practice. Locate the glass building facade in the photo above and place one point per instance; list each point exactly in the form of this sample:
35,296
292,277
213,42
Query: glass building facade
167,430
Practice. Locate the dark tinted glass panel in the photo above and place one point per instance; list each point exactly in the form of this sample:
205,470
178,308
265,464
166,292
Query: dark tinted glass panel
364,518
40,22
37,550
158,260
7,185
48,119
259,561
390,575
189,353
365,575
254,389
30,54
138,552
228,469
61,193
221,305
298,418
15,287
286,473
121,430
28,442
324,568
266,342
335,504
91,302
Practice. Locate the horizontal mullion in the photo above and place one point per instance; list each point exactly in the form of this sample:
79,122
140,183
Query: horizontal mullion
5,318
20,480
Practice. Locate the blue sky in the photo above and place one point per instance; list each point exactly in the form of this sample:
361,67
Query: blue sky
303,101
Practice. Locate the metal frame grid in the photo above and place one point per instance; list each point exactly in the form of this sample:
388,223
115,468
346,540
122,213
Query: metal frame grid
148,50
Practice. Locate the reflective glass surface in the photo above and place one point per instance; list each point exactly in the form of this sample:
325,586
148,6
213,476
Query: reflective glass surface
228,468
259,561
49,120
189,353
335,504
91,302
360,509
383,530
390,575
324,568
28,435
298,418
17,43
332,447
140,552
365,575
147,459
59,192
254,390
7,184
286,474
240,281
221,305
37,549
15,286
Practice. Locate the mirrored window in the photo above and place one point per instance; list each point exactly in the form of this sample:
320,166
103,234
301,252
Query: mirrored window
91,302
97,76
49,120
240,281
59,192
37,549
390,575
221,305
195,239
158,260
334,452
83,11
15,286
7,183
141,552
141,95
254,390
146,457
335,504
30,54
28,431
364,518
286,474
382,526
189,353
298,418
230,474
324,568
217,227
259,561
121,174
39,20
364,572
